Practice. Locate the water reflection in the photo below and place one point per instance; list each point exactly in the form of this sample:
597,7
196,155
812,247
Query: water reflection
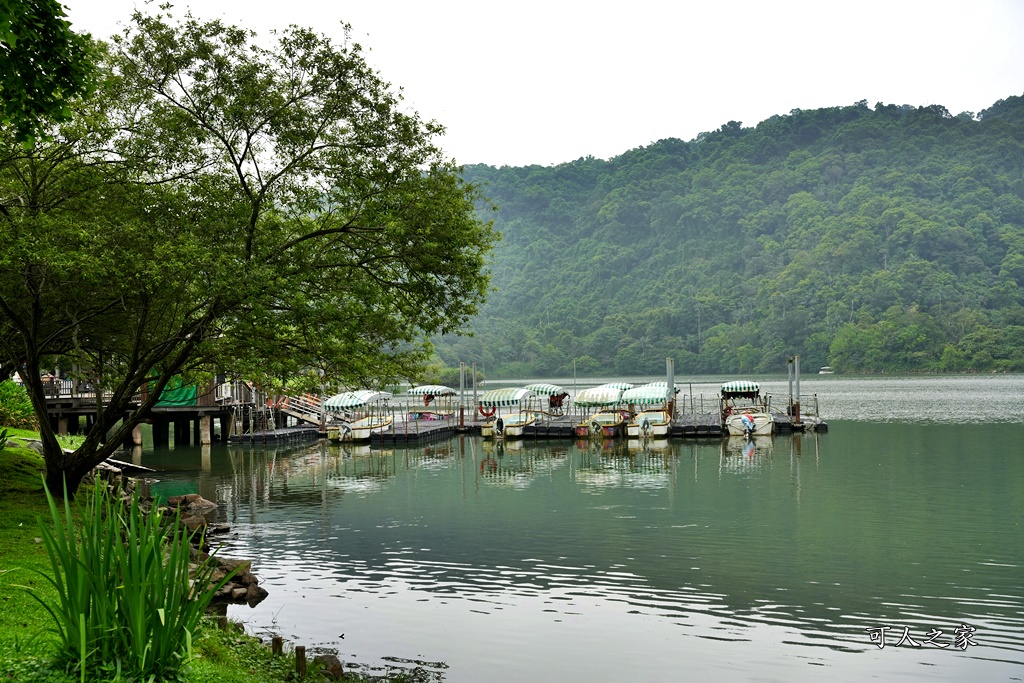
749,558
632,463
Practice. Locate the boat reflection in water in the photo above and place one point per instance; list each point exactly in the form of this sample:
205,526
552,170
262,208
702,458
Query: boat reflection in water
744,453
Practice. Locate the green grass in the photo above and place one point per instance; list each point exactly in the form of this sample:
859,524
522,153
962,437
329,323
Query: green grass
29,647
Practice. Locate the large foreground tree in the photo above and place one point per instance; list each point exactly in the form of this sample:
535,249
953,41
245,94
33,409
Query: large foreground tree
44,65
221,205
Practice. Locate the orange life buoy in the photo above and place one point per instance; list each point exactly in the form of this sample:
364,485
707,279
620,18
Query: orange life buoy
486,413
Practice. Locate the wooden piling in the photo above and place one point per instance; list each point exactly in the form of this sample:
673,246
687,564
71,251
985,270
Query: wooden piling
277,645
300,660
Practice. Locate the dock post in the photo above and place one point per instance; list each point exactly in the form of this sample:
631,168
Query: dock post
789,371
796,403
160,425
181,430
205,431
474,386
462,395
670,387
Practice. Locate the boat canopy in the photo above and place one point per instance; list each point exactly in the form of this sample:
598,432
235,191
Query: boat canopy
739,388
660,385
355,399
542,389
432,390
648,394
618,385
604,395
508,396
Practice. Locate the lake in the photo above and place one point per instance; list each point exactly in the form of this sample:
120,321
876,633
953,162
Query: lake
889,547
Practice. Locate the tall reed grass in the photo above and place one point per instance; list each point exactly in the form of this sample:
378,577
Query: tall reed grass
126,602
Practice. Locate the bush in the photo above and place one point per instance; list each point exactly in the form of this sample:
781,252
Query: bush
15,407
125,597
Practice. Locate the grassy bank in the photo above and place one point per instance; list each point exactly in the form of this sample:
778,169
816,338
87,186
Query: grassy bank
28,649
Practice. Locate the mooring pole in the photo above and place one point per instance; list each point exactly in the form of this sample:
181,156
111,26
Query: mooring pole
789,370
670,387
796,403
462,395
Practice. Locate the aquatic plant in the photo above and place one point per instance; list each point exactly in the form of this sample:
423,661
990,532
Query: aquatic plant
125,596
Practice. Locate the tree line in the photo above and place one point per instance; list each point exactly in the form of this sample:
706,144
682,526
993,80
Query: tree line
884,239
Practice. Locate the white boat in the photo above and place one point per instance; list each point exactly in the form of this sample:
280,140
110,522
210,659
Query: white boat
358,414
649,424
653,422
514,422
745,412
609,421
826,370
363,429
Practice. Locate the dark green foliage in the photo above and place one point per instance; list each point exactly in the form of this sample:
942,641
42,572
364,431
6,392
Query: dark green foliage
43,65
866,239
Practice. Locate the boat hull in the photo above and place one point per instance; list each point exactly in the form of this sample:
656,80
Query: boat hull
361,430
648,426
754,424
602,425
511,428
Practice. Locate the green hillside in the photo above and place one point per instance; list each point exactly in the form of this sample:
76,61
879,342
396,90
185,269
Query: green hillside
872,240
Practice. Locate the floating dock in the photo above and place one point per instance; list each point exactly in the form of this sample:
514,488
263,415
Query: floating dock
685,426
415,431
277,436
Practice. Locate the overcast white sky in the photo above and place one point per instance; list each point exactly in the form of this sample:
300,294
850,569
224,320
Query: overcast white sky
544,82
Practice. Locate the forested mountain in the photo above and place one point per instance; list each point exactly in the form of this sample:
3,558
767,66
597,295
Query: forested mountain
871,240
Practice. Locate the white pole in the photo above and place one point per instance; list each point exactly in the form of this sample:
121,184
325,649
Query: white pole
462,394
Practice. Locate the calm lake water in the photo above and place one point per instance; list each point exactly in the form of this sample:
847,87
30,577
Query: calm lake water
789,559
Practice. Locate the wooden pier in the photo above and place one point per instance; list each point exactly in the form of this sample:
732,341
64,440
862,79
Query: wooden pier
245,416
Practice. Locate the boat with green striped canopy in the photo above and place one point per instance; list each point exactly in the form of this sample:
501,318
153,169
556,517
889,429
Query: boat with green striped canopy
609,420
511,424
359,414
654,418
441,396
745,410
